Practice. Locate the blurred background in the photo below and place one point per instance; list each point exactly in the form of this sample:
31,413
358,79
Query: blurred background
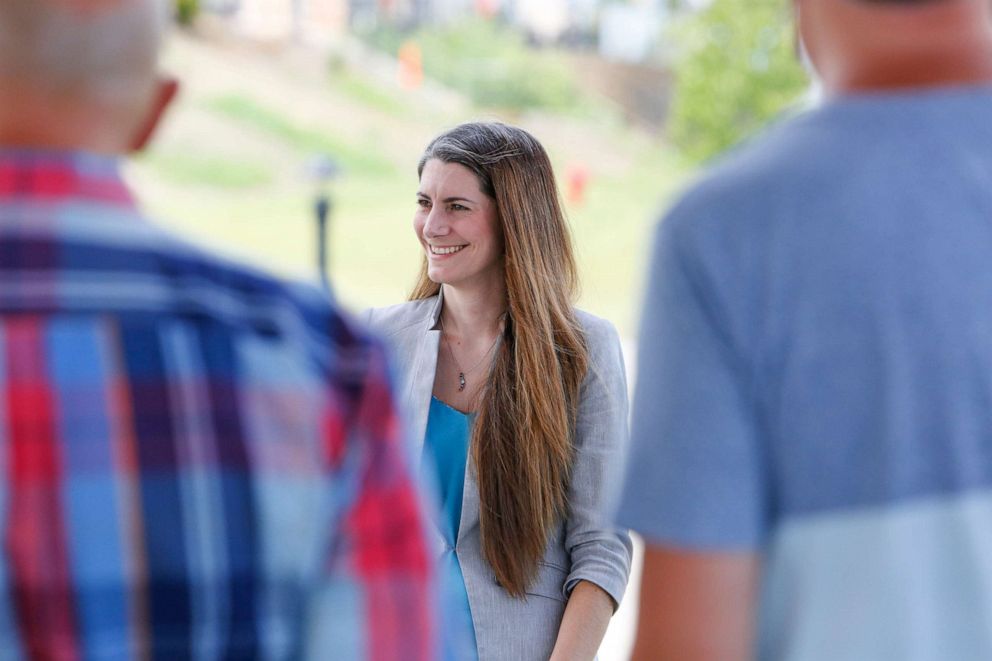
285,102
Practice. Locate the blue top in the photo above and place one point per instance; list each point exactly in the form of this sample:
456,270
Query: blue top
446,451
446,455
815,377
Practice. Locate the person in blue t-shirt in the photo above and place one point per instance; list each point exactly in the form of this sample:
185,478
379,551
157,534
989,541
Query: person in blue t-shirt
812,431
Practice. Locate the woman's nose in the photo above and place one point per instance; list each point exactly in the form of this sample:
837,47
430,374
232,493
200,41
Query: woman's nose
436,224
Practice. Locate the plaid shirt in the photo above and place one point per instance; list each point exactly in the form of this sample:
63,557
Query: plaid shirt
195,460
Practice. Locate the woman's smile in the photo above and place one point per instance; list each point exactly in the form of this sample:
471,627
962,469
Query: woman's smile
443,251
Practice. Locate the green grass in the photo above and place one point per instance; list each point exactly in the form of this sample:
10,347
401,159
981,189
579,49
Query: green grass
374,254
188,168
360,159
367,94
612,233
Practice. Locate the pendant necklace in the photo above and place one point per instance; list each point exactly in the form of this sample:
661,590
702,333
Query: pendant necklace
461,372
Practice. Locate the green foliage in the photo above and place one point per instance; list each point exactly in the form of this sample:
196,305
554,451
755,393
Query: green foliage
736,70
186,11
275,124
491,65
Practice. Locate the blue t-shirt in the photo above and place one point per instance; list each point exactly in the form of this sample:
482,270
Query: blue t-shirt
815,377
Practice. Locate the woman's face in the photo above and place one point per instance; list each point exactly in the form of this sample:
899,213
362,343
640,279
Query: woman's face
458,227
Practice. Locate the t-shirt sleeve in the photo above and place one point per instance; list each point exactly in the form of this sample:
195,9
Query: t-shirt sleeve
695,472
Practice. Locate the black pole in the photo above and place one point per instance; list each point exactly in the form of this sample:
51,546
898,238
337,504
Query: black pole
323,212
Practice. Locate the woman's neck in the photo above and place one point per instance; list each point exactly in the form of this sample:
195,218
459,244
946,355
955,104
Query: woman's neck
473,312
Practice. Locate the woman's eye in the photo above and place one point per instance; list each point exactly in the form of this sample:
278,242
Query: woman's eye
423,204
458,207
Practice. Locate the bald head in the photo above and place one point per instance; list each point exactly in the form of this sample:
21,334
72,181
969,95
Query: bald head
865,45
80,74
104,48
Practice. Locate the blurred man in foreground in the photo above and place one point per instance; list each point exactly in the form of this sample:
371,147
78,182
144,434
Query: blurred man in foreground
812,461
195,461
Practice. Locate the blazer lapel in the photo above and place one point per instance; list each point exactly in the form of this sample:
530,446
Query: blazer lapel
421,380
470,502
418,398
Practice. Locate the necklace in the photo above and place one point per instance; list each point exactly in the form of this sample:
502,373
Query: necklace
462,372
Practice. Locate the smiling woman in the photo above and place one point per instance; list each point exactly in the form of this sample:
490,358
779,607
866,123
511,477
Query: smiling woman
458,226
518,400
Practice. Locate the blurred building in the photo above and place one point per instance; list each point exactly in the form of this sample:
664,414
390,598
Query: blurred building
283,20
630,32
544,22
367,14
626,31
629,28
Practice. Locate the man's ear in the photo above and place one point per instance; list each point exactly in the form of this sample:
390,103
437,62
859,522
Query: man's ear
166,89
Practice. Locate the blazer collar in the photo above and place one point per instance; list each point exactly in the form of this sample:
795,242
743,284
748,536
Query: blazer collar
435,317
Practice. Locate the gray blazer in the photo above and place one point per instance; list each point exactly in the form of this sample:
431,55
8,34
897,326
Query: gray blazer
582,548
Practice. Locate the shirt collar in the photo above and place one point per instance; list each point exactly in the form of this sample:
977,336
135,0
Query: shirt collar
52,175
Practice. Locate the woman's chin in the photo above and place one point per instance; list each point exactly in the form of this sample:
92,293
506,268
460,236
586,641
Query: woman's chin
438,276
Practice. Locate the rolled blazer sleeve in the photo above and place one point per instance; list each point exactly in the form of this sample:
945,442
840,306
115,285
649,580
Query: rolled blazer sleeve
600,553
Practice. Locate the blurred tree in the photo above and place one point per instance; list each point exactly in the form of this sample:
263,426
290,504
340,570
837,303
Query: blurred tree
186,11
735,70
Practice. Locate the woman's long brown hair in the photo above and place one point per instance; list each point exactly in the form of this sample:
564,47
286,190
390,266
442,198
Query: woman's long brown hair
522,439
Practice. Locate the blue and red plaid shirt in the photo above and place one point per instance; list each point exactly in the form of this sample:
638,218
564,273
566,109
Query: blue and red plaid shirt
196,460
